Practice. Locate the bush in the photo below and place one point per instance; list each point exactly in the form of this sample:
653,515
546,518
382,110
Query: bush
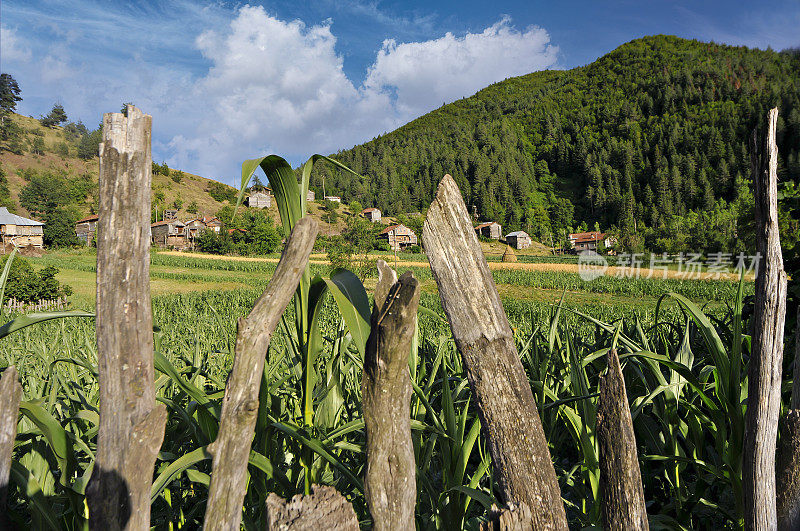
381,245
176,176
27,285
415,249
192,208
222,192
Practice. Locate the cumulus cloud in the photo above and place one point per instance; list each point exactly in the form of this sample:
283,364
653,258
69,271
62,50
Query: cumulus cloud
255,84
280,86
425,74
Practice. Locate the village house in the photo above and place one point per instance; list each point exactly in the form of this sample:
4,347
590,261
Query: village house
519,239
169,233
19,231
491,230
590,241
259,200
170,213
310,196
399,237
372,214
333,198
86,228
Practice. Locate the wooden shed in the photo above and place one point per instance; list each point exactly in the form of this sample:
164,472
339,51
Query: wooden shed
86,228
169,233
19,231
492,230
399,237
519,239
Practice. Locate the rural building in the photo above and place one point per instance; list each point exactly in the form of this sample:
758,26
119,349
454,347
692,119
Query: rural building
333,198
311,196
19,231
518,239
211,223
259,200
170,213
169,233
590,241
491,230
372,214
86,228
398,236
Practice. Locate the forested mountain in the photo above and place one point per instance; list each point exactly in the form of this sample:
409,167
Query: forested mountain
651,140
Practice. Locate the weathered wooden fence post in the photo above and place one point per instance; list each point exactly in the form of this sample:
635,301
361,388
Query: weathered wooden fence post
10,393
131,423
764,385
508,413
390,484
231,449
787,478
622,496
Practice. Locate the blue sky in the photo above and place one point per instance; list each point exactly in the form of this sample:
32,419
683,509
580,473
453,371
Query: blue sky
226,81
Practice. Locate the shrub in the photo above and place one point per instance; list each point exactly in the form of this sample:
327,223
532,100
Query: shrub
221,192
176,176
415,249
27,285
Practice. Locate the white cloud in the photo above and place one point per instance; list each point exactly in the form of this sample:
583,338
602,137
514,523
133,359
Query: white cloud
253,85
277,86
13,49
423,75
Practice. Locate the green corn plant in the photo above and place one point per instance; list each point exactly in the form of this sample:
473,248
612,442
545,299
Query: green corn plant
346,289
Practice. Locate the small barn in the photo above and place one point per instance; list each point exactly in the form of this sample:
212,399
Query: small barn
171,213
398,237
491,230
311,196
86,228
372,214
259,200
19,231
169,233
519,239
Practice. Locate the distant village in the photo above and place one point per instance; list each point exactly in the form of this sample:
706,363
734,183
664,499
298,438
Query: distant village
172,233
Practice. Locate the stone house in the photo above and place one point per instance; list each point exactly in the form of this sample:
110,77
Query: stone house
259,200
20,232
310,196
491,230
86,228
398,237
519,239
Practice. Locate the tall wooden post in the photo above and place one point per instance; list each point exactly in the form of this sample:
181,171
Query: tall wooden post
764,378
496,377
10,393
390,483
131,423
621,493
231,449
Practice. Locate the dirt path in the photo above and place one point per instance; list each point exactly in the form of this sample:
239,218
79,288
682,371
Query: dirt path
319,258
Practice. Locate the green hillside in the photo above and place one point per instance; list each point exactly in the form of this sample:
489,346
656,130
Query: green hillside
651,139
52,154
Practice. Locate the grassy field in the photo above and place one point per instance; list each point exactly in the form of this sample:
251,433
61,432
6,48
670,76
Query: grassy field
538,284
